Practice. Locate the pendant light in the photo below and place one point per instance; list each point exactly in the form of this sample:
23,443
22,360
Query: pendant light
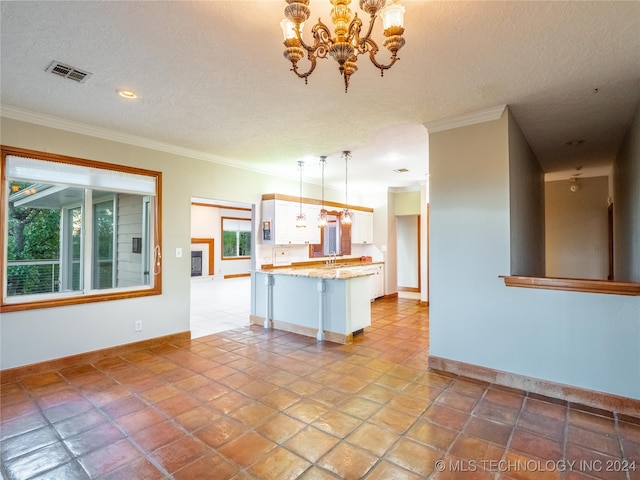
323,221
301,218
346,215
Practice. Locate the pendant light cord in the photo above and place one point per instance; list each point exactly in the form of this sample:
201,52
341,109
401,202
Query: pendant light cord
300,165
346,155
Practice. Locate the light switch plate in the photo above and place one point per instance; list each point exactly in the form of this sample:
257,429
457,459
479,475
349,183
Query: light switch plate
178,253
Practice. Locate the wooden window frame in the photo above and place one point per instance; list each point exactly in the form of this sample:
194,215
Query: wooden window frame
80,298
222,257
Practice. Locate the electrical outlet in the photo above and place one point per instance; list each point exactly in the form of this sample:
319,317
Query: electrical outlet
137,326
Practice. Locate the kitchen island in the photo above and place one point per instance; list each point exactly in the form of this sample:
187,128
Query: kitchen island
325,302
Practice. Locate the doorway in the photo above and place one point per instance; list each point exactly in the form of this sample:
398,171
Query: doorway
221,294
408,255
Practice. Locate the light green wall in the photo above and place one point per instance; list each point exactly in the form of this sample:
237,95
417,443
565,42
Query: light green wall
407,203
38,335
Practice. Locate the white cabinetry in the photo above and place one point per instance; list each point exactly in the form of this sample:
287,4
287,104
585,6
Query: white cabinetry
313,232
376,277
281,215
377,280
362,227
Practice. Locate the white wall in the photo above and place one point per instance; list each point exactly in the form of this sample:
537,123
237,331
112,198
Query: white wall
586,340
408,250
407,207
424,243
206,223
203,225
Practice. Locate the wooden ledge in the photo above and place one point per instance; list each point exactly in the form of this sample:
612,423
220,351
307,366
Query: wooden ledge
573,285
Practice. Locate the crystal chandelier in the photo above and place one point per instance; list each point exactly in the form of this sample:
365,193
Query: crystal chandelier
346,216
323,219
346,44
301,218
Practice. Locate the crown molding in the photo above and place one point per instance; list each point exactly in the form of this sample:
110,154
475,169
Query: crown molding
51,121
481,116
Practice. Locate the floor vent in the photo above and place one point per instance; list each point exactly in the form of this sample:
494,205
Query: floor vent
69,72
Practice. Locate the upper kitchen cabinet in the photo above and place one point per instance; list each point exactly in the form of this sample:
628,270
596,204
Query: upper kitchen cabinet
279,223
278,226
362,227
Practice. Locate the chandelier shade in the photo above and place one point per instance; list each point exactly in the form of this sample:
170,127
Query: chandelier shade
345,43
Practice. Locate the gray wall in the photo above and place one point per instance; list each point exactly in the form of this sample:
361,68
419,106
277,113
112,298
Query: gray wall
626,206
586,340
576,229
526,193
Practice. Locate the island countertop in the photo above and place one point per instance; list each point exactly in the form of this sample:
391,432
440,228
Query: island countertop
322,272
316,300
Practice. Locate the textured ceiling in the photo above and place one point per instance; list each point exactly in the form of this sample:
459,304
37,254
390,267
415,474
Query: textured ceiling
211,78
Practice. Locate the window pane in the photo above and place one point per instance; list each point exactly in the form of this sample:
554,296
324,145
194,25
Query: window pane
236,237
129,220
331,238
72,274
33,248
244,244
103,235
229,243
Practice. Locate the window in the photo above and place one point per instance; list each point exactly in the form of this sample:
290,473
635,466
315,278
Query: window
335,238
236,238
70,225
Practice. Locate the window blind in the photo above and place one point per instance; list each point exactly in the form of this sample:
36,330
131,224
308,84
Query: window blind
58,173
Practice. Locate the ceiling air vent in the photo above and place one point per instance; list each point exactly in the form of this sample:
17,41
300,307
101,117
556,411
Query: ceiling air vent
69,72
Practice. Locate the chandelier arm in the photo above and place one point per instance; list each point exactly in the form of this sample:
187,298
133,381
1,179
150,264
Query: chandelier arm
321,40
319,49
294,69
362,41
373,50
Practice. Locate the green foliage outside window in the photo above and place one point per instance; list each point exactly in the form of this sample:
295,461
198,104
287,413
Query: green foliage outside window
33,234
236,244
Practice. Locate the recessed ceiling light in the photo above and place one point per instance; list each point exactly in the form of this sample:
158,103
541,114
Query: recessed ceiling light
401,170
128,94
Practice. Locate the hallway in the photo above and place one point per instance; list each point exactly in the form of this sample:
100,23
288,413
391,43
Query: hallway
254,404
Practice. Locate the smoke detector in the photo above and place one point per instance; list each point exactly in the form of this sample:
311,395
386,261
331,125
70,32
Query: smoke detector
68,71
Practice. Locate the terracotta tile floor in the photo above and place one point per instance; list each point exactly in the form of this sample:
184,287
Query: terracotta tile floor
250,404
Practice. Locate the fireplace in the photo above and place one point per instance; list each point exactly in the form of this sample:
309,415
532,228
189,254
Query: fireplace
196,264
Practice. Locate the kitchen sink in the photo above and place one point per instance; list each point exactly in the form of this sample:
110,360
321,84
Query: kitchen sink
330,266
